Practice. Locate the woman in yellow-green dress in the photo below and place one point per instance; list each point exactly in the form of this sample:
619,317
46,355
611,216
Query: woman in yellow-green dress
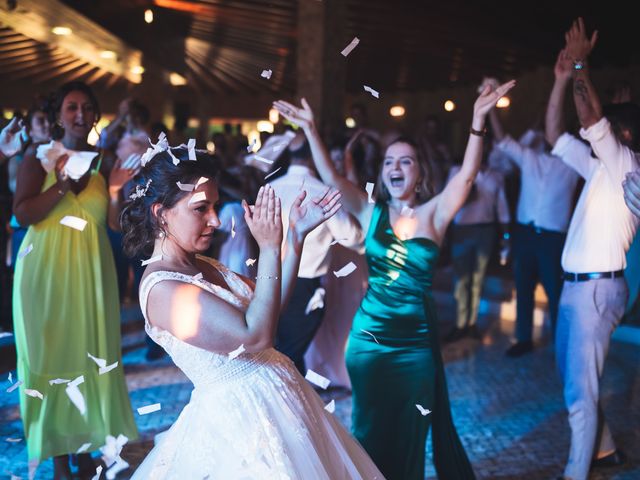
65,296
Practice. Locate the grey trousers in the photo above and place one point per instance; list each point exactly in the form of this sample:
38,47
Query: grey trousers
588,314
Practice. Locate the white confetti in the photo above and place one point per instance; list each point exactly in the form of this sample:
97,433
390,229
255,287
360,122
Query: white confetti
112,448
346,270
266,74
157,258
77,381
238,351
73,222
317,379
14,386
233,226
58,381
262,159
273,173
191,149
197,197
316,301
83,448
186,187
13,440
369,189
6,334
338,241
407,212
10,377
119,465
107,369
74,394
101,362
372,335
149,409
25,251
201,180
423,411
371,91
253,144
250,262
98,472
349,48
33,393
331,406
197,276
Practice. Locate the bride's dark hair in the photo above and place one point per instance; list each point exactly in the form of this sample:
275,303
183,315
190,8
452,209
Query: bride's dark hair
160,177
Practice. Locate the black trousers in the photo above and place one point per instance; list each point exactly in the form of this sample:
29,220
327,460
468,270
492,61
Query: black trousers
295,329
536,258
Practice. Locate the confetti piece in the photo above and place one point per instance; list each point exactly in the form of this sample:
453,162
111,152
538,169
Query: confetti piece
253,144
407,212
33,393
317,379
14,386
157,258
98,473
149,409
107,369
273,173
346,270
369,189
101,362
371,91
233,226
10,377
262,159
250,262
112,448
6,334
266,74
372,335
331,406
423,411
77,381
186,187
349,48
201,180
73,222
74,394
191,149
13,440
236,352
58,381
337,241
316,301
119,465
197,197
25,251
83,448
197,276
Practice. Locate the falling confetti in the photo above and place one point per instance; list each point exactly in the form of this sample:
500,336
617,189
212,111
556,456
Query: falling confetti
349,48
423,411
73,222
266,74
371,91
317,379
157,258
346,270
149,409
331,406
237,352
369,190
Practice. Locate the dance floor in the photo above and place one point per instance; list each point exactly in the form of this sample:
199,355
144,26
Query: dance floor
509,413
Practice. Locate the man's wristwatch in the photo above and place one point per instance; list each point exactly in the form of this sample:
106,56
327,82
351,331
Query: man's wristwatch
579,64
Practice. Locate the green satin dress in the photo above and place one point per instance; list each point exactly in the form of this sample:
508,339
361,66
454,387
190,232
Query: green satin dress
394,361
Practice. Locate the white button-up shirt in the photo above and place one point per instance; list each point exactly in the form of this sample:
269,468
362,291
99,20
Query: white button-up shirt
488,204
602,227
547,186
341,227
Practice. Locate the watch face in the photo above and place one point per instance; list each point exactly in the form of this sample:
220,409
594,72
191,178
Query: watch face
578,65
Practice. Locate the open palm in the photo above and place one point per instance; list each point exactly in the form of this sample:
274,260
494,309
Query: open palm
304,218
302,117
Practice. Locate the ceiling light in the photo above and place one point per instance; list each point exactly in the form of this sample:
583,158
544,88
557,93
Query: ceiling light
449,106
350,122
61,31
211,147
176,79
108,54
396,111
148,15
503,102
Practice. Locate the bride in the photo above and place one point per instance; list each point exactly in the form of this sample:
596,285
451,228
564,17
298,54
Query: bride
251,415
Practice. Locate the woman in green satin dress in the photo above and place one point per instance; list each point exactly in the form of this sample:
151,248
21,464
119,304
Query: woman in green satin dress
393,357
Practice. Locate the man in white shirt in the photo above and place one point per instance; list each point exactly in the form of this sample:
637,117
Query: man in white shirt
547,187
473,237
296,327
594,293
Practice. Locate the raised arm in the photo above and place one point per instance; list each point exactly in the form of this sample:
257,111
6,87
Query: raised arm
496,124
585,97
455,193
554,119
10,139
354,199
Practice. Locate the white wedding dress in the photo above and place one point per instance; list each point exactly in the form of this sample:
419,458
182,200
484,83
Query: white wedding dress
251,417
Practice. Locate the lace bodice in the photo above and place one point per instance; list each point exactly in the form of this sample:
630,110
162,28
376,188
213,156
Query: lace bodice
203,367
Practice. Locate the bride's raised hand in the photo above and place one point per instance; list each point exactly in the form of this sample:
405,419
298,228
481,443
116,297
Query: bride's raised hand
301,116
489,97
304,218
265,218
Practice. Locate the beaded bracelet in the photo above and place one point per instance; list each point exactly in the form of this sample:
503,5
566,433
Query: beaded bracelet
268,277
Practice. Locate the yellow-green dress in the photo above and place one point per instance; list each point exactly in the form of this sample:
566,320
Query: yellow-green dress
65,305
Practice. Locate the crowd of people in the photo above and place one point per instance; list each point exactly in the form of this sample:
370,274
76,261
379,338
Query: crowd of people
240,295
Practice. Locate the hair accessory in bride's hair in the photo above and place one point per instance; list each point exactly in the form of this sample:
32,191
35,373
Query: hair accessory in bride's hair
161,146
140,191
